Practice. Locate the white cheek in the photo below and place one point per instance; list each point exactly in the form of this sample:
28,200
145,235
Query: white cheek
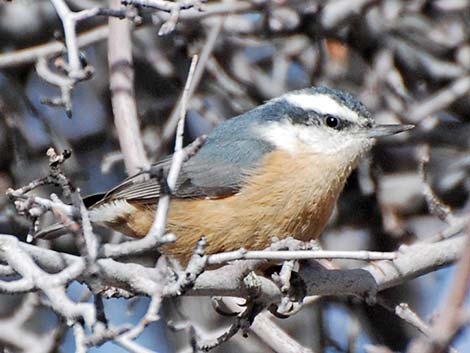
318,140
283,135
291,138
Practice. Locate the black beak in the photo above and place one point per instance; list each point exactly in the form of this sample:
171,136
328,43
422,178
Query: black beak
387,130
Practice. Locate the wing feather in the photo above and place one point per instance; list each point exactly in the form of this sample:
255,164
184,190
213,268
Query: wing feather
217,170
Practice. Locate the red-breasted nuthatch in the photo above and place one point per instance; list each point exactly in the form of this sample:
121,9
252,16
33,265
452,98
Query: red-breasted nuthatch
276,170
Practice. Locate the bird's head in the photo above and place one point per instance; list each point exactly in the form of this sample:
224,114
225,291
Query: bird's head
323,121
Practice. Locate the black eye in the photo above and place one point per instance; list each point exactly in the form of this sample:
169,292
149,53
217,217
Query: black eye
332,121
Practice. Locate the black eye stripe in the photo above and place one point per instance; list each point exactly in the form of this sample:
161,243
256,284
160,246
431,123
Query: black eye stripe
305,117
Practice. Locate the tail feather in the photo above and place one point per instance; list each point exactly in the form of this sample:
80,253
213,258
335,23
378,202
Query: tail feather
109,214
53,231
56,230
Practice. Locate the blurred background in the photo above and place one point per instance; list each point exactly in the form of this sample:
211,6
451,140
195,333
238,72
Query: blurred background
408,62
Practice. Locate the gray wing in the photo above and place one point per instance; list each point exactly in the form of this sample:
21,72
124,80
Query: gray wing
216,170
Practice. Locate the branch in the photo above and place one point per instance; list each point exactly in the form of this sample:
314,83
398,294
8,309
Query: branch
271,334
116,279
121,83
32,54
411,262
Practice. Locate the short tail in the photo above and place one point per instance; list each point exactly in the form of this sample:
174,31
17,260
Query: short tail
56,230
53,231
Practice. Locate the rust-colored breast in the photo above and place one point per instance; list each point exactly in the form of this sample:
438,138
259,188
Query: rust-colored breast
288,196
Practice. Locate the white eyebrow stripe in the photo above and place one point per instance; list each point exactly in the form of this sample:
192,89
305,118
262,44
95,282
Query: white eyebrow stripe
322,104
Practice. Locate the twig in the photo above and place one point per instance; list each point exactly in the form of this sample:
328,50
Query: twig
34,207
109,160
243,254
214,9
74,69
91,241
102,336
69,22
28,341
64,83
174,8
126,339
163,5
404,312
410,262
196,266
79,335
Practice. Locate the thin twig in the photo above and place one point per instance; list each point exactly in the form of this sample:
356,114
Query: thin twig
243,254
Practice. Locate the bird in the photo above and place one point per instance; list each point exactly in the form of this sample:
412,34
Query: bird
274,171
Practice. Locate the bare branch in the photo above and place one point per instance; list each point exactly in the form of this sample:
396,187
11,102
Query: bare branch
31,55
121,82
